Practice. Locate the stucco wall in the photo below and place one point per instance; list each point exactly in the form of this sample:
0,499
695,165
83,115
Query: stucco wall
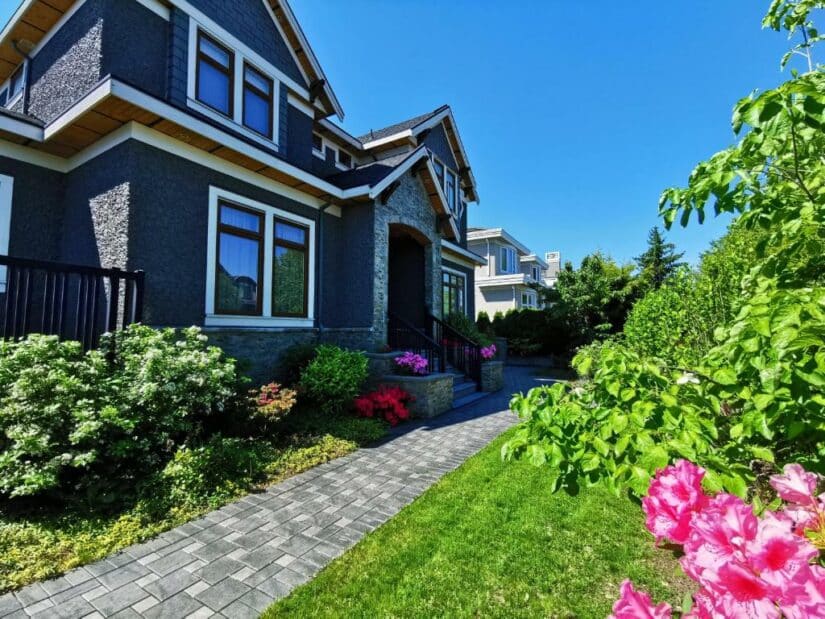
36,212
492,300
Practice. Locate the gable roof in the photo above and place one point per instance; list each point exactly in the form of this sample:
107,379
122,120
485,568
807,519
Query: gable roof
409,131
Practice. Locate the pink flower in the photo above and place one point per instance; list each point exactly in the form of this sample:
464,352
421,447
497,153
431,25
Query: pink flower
674,497
776,547
637,605
702,606
488,352
796,485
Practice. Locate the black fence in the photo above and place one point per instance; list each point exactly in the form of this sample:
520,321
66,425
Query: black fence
70,301
403,335
460,351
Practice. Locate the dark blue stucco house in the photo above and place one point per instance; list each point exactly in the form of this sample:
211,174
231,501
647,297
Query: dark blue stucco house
196,140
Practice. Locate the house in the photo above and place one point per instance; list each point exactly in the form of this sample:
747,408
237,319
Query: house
200,142
512,277
551,273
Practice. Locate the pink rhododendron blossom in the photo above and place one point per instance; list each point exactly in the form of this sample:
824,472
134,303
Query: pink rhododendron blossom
702,606
796,485
776,547
634,604
488,352
675,495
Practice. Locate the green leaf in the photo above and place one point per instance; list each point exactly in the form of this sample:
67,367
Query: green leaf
725,376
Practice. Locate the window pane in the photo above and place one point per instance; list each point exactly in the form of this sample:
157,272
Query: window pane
213,87
237,274
257,80
288,283
439,170
450,190
287,232
240,219
445,301
215,52
257,112
317,142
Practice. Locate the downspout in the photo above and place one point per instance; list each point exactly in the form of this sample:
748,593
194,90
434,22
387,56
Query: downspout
319,269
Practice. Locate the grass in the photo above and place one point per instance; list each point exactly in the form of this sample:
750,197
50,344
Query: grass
39,541
491,540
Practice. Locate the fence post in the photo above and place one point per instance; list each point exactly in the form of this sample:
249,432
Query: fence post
140,283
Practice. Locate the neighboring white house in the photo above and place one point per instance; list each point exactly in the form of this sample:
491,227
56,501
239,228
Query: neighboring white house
509,279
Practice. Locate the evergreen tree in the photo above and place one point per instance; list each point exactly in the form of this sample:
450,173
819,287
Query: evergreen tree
659,261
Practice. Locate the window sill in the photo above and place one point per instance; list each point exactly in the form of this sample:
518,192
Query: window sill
204,109
223,320
319,154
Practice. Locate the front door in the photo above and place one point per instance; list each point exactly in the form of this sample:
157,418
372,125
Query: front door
406,279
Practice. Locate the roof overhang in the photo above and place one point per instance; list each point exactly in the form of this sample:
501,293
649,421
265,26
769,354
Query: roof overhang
330,129
456,250
419,161
410,136
518,279
498,233
30,23
534,258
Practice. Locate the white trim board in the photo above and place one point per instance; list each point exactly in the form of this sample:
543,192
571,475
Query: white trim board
6,199
473,258
217,194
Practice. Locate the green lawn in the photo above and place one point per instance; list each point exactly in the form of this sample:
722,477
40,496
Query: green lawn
490,540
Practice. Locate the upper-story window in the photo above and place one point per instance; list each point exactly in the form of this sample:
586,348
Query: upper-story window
232,86
318,144
257,101
450,190
13,89
214,77
536,273
439,170
344,159
507,260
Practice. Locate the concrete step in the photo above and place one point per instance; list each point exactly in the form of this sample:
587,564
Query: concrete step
463,389
469,399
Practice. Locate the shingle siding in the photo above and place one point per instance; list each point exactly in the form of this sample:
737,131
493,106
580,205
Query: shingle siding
437,142
178,55
250,22
299,138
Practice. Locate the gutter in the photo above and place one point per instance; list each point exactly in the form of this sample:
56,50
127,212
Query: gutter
319,305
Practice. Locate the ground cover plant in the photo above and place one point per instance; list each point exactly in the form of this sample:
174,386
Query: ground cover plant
491,540
754,398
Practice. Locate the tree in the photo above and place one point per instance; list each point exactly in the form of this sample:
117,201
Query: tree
659,261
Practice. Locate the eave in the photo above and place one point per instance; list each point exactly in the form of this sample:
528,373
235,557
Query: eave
457,250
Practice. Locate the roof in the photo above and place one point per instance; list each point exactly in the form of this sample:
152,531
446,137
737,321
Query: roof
368,174
410,123
479,234
534,258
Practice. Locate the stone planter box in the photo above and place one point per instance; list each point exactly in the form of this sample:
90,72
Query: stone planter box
501,348
380,364
492,376
433,393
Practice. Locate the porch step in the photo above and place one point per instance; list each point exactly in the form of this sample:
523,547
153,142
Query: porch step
469,399
463,389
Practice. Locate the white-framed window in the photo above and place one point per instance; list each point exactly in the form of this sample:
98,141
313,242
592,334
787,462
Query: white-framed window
260,264
507,260
344,160
12,90
536,273
230,87
318,146
453,292
448,179
528,299
6,194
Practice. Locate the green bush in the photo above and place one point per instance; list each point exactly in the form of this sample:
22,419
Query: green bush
484,324
466,327
334,377
293,362
70,420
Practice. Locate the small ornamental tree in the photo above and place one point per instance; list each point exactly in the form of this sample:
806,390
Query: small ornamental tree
659,262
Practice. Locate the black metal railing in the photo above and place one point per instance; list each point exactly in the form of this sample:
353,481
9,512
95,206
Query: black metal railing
403,335
71,301
462,353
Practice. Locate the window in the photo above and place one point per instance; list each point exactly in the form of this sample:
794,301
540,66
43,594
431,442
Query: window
454,286
344,159
257,101
13,88
214,81
260,264
536,274
289,270
450,185
508,260
439,170
318,144
240,260
528,299
6,187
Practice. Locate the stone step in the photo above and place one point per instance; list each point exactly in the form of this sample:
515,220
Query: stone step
463,389
469,399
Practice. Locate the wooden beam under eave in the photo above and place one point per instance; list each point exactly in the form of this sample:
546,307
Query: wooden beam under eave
43,16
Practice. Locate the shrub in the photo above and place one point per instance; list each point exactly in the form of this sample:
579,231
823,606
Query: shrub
466,327
272,402
388,403
484,324
70,420
410,363
293,362
334,377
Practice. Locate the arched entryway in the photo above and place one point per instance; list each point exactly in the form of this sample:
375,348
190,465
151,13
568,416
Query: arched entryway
406,282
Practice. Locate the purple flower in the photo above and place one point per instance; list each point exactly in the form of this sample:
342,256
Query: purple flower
415,364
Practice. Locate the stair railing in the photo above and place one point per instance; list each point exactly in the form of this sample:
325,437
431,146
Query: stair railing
461,351
403,335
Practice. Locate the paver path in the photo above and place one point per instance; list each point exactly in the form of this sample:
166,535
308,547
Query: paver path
237,560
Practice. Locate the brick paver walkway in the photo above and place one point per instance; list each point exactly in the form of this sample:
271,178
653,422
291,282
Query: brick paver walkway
237,560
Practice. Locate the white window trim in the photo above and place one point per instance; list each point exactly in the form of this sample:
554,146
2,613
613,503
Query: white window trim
6,195
7,84
217,194
511,260
343,166
236,122
463,276
321,154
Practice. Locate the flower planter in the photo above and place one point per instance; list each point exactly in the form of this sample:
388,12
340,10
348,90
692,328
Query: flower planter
492,376
433,393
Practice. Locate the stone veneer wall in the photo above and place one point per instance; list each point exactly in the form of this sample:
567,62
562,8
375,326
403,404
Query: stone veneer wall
433,394
409,205
492,376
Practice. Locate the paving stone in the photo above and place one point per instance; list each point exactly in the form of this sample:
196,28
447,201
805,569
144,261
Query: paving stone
239,610
166,587
180,605
117,600
9,604
216,571
31,594
257,599
168,564
222,594
261,557
215,550
127,573
275,588
70,609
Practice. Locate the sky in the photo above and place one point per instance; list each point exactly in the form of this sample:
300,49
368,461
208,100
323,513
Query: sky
575,115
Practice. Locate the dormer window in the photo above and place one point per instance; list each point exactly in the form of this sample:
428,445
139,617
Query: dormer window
344,159
257,101
439,170
214,77
450,185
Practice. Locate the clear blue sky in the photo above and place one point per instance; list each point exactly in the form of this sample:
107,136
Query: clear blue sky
575,115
